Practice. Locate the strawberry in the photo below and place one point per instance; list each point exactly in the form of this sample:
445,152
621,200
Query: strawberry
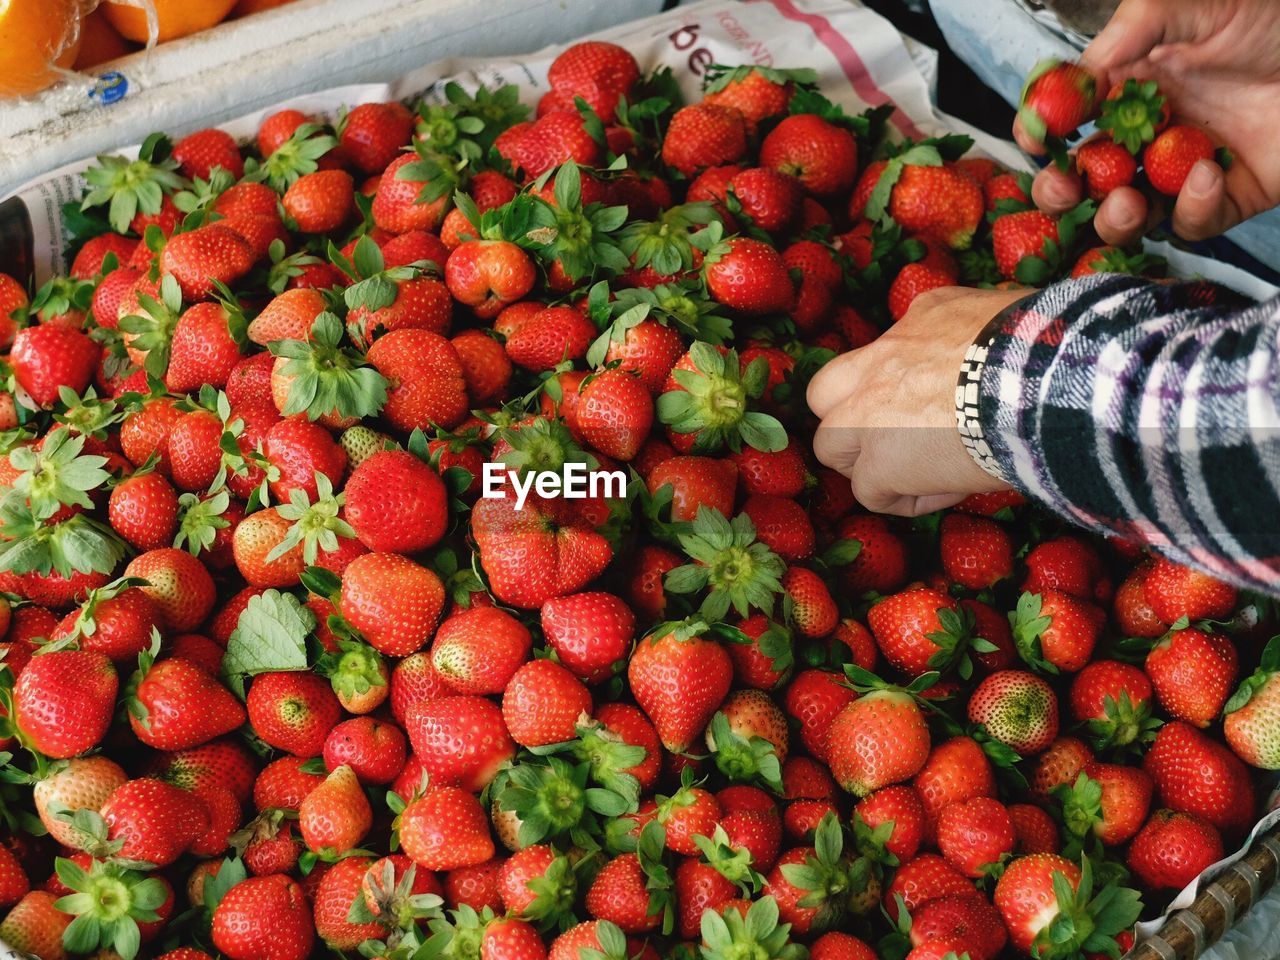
293,711
420,303
36,927
1194,774
396,503
965,920
913,280
1036,830
695,482
204,255
919,630
924,877
821,155
549,337
679,677
116,620
1067,564
769,199
1018,237
82,783
178,584
372,134
174,705
900,807
479,650
395,203
335,816
1193,673
1114,700
1105,166
597,71
1107,799
1056,99
1168,159
813,610
704,135
1173,849
263,554
1134,112
615,411
200,153
486,369
63,701
14,883
393,602
815,698
444,829
863,755
1058,765
975,835
1248,727
881,564
284,783
264,918
1037,893
782,525
1018,709
976,552
937,201
620,895
320,202
461,740
335,898
1175,592
955,771
1054,631
375,750
554,139
153,821
47,357
591,633
487,275
425,378
748,275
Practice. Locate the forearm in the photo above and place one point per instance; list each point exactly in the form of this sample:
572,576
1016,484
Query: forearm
1148,411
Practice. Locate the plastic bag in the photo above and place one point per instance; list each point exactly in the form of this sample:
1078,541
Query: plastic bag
39,40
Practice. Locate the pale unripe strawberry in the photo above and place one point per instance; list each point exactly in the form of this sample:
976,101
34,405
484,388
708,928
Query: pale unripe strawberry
1018,709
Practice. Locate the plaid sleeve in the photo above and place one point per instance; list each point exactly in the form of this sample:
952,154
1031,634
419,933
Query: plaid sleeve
1147,411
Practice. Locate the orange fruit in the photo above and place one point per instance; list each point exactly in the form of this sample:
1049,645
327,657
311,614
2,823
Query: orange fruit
99,42
177,18
246,7
36,36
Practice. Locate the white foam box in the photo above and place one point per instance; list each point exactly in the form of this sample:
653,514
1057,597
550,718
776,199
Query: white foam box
302,47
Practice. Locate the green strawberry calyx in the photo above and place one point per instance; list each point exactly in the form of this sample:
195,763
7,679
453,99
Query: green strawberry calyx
731,862
328,378
129,187
713,403
315,526
756,936
1086,923
743,759
735,569
1268,667
1132,116
107,902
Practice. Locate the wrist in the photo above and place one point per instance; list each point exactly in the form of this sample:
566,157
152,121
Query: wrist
968,393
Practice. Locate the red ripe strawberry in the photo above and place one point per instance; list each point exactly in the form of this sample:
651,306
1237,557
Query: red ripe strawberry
425,377
35,926
748,275
782,525
372,134
542,704
333,901
288,316
814,611
462,741
1193,673
393,602
479,650
283,783
765,661
1067,564
1035,829
1016,236
421,303
320,202
258,537
107,296
821,155
300,449
615,410
175,705
550,336
624,722
591,633
199,257
373,749
1017,708
955,771
202,349
597,71
1005,186
1114,700
178,584
925,877
335,816
937,202
415,679
155,821
770,199
486,369
293,711
219,763
781,473
1116,811
545,550
815,698
679,678
704,135
1105,166
913,280
63,701
143,509
1057,98
840,946
1194,774
81,783
649,350
698,887
696,482
1059,765
879,739
1173,849
199,153
1169,158
395,204
918,630
620,895
48,357
264,918
396,503
752,92
553,139
531,864
881,564
488,275
976,552
508,938
1175,591
14,884
1055,629
899,805
444,829
645,590
967,920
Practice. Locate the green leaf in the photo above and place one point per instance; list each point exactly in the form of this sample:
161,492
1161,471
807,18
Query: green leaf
269,636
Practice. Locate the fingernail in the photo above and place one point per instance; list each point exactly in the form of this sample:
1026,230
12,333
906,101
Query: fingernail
1202,180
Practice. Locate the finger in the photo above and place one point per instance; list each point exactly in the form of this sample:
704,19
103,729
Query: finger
833,383
1025,140
1122,217
1056,191
912,506
837,443
1204,208
1134,29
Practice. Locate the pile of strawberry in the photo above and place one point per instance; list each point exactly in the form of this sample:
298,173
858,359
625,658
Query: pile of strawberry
279,682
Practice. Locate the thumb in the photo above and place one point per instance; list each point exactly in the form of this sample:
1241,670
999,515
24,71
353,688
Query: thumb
1136,27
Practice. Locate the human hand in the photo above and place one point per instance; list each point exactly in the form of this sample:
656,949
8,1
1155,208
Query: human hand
888,409
1218,62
